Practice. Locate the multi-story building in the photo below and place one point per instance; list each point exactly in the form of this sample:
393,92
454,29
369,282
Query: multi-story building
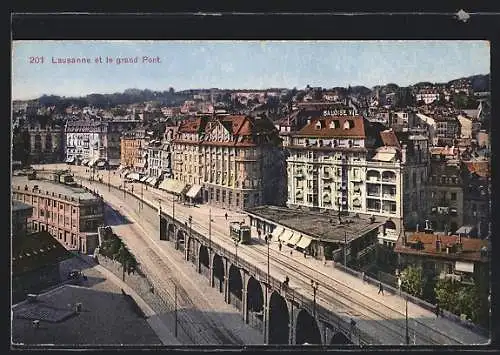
134,150
343,163
477,197
46,143
230,160
69,214
446,192
90,142
447,129
427,95
159,156
20,214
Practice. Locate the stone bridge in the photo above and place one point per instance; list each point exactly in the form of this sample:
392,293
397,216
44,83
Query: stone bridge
283,315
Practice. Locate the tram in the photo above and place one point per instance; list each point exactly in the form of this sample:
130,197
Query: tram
240,232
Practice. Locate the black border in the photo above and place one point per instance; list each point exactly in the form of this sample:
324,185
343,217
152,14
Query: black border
310,22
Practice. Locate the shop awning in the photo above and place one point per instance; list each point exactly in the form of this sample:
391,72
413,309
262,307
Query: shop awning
133,176
174,186
114,162
70,160
92,162
384,156
304,242
144,178
286,236
85,161
194,191
276,233
153,181
294,239
101,163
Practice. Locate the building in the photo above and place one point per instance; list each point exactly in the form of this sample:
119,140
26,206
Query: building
447,129
20,214
427,96
159,163
349,165
134,150
232,161
477,197
446,190
70,214
351,238
46,143
95,143
465,126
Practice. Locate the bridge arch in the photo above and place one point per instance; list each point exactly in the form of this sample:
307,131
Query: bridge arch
306,329
204,261
171,231
191,250
163,229
279,320
218,273
180,240
255,303
340,338
235,287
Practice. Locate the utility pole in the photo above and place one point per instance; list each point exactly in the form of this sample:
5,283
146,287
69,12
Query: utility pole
345,248
314,286
142,197
209,230
406,318
268,240
173,208
175,309
109,178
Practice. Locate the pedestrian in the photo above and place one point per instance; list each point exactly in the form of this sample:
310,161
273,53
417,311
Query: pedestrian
291,251
305,256
437,310
258,232
363,276
380,288
225,216
279,246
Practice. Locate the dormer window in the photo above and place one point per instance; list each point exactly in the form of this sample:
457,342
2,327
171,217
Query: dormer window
347,125
318,125
334,124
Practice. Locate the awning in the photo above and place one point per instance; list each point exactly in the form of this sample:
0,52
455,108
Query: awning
140,165
285,236
114,162
153,181
304,242
85,161
101,163
294,239
92,162
70,160
276,233
174,186
194,191
384,156
133,176
143,179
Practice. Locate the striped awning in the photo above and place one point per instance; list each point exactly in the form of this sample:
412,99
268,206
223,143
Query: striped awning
153,181
143,179
286,236
133,176
85,161
294,239
92,162
304,242
70,160
194,191
174,186
101,163
276,233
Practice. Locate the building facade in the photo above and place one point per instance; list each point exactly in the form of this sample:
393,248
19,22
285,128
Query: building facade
344,164
232,158
71,215
134,150
46,143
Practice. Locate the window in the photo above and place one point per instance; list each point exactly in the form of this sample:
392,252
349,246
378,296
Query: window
223,196
453,196
414,178
256,199
217,195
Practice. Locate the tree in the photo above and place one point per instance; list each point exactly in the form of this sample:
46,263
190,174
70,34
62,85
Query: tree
458,298
412,281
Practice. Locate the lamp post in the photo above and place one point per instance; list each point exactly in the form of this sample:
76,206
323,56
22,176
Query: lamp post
109,178
142,196
236,248
209,230
406,319
268,241
345,249
175,308
314,286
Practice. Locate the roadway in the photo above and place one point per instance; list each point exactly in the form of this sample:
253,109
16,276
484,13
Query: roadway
382,316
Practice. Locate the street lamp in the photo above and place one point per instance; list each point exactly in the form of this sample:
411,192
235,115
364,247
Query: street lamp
109,178
268,241
314,285
236,248
406,318
345,249
175,308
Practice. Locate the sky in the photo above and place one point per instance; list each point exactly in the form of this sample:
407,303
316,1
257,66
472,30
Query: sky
237,64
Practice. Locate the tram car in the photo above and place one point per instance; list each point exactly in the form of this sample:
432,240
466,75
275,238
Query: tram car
240,232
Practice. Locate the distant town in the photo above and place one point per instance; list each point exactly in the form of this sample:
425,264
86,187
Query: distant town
388,186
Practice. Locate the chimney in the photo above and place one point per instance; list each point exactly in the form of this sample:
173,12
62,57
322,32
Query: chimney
438,243
417,227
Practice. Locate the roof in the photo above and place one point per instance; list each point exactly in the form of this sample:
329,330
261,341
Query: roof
344,126
471,250
192,125
35,251
324,225
20,206
481,168
389,138
74,193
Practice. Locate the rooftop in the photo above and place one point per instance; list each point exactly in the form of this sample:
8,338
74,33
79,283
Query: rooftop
106,319
36,250
320,225
335,126
44,185
471,247
20,206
